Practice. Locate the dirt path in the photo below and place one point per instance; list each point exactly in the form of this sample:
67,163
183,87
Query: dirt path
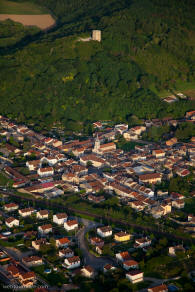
43,21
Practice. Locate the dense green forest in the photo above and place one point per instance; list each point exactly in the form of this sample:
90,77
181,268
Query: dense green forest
147,47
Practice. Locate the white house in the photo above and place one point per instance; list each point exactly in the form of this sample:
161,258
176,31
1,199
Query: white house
73,262
142,242
158,153
45,171
87,271
42,214
135,276
26,212
11,207
66,253
60,218
104,231
62,242
45,229
11,222
70,225
179,204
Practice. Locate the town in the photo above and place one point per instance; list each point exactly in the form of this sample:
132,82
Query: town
86,206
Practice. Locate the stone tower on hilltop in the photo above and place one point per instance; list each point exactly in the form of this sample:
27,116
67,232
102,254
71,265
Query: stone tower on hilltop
96,35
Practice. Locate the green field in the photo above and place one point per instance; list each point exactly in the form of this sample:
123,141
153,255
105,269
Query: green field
11,7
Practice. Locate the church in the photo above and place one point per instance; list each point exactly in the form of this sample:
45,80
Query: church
101,149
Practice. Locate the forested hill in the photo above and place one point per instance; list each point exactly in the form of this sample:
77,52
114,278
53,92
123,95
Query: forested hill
147,48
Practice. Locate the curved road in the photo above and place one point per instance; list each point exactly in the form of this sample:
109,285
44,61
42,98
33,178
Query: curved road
96,262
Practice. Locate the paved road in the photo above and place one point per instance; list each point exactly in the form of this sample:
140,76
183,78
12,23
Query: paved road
17,254
89,259
160,281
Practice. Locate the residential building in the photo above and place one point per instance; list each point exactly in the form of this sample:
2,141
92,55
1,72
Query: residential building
158,153
73,262
42,214
97,241
104,231
135,276
36,244
179,204
130,264
46,171
45,229
94,159
108,268
142,242
70,225
11,207
123,256
159,288
11,222
150,178
87,271
62,242
27,279
66,253
26,212
32,261
60,218
122,236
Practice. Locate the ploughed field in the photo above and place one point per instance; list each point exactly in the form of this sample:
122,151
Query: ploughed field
42,21
26,13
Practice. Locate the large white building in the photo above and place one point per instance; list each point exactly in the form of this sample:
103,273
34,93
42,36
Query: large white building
60,218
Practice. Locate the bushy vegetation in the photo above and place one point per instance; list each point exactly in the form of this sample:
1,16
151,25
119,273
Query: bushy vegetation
147,47
11,32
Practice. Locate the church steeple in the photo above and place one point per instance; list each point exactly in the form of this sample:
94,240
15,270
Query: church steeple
97,144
